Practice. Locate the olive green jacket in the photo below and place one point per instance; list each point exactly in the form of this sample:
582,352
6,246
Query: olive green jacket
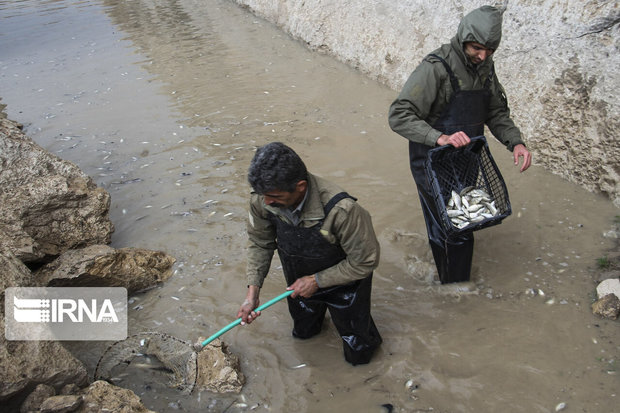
428,90
348,225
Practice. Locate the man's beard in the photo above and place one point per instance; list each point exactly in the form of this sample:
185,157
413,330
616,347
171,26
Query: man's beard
474,61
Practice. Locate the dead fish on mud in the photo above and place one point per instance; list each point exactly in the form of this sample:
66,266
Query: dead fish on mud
470,206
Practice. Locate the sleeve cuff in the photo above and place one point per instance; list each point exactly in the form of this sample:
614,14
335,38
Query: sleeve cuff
511,146
431,137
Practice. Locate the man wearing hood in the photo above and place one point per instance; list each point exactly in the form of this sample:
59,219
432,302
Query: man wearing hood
447,99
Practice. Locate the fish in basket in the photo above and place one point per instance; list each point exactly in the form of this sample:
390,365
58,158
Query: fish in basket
467,186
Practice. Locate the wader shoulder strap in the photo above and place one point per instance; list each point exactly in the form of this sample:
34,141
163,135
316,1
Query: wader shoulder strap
335,199
453,80
487,84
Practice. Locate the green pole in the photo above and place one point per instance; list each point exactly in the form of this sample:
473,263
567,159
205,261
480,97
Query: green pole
238,321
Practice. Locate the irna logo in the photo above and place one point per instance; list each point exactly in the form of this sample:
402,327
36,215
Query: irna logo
65,313
28,310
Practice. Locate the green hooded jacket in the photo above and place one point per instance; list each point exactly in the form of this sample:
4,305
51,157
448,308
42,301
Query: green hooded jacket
427,92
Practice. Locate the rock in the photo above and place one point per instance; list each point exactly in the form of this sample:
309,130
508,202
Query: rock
61,404
25,364
607,307
71,388
609,286
102,396
33,400
14,272
102,266
219,370
47,205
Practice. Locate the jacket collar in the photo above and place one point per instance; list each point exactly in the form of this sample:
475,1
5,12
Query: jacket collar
313,210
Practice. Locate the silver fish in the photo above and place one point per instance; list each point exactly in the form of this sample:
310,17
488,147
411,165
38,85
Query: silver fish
456,199
470,205
464,201
466,190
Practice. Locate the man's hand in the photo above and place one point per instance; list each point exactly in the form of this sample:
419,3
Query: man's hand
457,139
246,311
520,151
304,286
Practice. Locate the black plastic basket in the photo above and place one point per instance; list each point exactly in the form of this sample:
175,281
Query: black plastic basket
452,169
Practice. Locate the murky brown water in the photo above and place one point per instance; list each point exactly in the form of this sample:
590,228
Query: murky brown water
163,103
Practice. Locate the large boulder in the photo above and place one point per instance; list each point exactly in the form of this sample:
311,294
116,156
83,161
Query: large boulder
34,399
102,266
47,205
26,364
14,273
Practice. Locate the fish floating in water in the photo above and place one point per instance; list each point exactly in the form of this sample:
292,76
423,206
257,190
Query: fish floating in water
470,206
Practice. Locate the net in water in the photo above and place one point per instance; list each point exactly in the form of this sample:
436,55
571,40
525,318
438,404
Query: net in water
177,357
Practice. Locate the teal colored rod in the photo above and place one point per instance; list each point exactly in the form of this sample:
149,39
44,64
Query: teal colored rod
238,321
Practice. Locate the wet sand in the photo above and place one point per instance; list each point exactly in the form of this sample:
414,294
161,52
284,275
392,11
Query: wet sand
163,104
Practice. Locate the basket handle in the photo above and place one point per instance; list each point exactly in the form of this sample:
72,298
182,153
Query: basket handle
476,143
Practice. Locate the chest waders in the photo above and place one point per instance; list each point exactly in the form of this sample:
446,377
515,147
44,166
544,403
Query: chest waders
305,251
466,111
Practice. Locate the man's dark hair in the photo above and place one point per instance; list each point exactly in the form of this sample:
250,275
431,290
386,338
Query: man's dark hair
275,166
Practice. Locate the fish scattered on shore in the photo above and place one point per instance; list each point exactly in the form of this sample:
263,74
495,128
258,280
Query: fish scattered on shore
470,206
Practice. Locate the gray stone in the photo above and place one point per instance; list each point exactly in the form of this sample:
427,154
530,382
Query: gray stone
33,400
61,404
99,265
47,205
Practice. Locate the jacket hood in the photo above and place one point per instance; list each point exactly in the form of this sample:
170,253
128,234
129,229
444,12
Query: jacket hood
483,25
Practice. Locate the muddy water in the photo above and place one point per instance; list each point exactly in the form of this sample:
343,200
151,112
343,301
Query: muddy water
163,104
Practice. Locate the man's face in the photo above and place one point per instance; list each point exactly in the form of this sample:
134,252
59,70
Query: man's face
477,53
285,199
